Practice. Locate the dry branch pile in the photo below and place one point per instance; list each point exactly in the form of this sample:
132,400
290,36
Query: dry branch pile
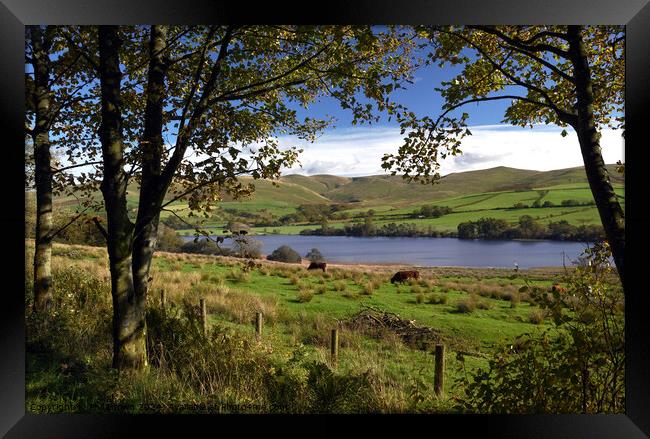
375,322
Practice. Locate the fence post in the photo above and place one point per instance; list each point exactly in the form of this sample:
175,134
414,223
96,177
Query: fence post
162,355
163,299
334,347
438,382
258,325
204,315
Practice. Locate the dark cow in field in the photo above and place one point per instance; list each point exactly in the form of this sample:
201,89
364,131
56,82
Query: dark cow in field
402,276
318,266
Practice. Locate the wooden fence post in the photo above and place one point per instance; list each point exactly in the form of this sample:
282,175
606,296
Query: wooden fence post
163,299
438,382
258,325
334,347
162,354
204,317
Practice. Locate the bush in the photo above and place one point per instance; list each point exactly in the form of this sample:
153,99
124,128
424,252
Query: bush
515,299
367,289
305,296
204,246
285,254
82,231
314,255
578,366
419,298
246,247
294,280
168,239
437,299
466,306
537,316
238,275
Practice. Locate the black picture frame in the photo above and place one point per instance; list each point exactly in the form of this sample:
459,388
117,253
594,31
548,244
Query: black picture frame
14,14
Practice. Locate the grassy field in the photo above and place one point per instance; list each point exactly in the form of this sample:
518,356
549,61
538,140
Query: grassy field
300,307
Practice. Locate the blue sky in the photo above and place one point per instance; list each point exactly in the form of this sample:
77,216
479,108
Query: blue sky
357,150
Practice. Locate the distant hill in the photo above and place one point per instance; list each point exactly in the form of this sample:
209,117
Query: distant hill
395,191
385,192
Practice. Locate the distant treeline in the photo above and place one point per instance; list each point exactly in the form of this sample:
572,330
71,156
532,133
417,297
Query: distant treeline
392,229
485,228
528,228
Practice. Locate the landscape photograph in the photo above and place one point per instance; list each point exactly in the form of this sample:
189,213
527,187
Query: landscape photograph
326,219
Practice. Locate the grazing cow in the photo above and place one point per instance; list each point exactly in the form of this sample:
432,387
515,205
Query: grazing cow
558,289
402,276
318,266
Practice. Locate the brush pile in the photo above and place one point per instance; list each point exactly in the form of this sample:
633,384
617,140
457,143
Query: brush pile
375,323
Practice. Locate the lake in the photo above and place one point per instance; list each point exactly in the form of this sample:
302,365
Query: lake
428,251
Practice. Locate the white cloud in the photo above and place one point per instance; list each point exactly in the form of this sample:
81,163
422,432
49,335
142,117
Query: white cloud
358,151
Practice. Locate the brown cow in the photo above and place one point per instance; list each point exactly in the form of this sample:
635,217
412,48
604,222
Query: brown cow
402,276
318,266
558,289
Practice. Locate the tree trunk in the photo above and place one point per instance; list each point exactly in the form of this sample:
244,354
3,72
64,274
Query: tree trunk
43,173
129,329
151,190
609,209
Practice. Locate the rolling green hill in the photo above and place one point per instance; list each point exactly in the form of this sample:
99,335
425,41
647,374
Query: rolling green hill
472,195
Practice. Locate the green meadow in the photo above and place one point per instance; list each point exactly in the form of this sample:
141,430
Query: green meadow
300,307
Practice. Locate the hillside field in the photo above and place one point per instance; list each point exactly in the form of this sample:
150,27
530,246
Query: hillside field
471,195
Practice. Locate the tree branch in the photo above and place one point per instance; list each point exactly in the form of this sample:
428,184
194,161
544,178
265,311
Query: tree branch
199,231
522,44
101,228
184,131
228,95
492,98
51,235
65,168
562,114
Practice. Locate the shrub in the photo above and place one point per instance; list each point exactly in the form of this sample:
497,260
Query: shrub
537,316
576,366
367,289
416,289
466,306
285,254
321,289
515,299
314,255
305,296
204,246
339,285
483,304
239,275
419,298
437,299
246,247
168,239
